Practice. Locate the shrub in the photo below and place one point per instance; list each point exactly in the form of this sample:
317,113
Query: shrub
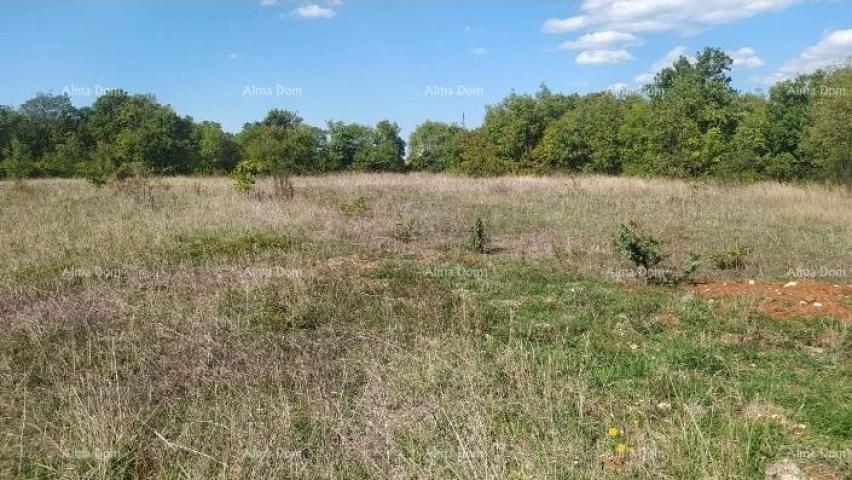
643,250
646,254
354,208
405,230
732,258
479,237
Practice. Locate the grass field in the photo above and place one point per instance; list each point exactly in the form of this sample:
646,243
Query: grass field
177,329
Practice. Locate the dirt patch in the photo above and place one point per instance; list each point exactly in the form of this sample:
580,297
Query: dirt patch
795,299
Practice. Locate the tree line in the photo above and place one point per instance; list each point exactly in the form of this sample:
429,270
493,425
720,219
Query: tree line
689,122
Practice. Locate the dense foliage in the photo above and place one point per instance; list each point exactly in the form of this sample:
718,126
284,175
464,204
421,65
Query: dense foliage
689,122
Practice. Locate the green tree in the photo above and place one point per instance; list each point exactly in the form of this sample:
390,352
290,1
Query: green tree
693,115
18,161
281,146
513,127
62,161
788,119
8,124
385,153
435,146
218,150
141,131
634,135
749,151
480,158
828,140
585,138
345,141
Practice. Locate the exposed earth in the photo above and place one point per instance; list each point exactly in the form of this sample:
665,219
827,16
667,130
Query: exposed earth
795,299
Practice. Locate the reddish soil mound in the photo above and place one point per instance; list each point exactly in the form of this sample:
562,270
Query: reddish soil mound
796,299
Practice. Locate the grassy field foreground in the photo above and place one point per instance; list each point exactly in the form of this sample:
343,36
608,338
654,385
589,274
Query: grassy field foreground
178,329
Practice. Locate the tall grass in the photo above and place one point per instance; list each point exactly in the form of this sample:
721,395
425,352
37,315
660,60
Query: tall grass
202,333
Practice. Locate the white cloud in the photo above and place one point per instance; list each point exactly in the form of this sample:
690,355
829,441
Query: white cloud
668,60
605,39
314,11
233,55
746,57
684,16
269,3
556,25
834,48
479,51
603,57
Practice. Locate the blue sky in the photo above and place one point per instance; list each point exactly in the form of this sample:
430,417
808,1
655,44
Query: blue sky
365,60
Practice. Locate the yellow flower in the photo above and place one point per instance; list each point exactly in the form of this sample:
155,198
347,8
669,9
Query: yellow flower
612,432
621,448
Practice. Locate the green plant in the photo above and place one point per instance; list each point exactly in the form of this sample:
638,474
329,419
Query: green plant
732,258
99,169
646,253
208,245
479,237
643,250
405,230
355,207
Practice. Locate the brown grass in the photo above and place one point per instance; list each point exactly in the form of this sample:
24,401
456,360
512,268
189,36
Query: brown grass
193,332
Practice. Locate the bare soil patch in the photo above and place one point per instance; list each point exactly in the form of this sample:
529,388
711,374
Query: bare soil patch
807,299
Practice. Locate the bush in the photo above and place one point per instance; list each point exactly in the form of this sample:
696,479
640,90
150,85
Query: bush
643,250
99,169
732,258
405,230
646,254
479,237
354,208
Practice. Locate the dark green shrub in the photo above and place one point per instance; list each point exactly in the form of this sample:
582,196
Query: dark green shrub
643,250
646,254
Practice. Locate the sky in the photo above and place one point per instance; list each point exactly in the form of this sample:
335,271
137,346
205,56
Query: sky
406,60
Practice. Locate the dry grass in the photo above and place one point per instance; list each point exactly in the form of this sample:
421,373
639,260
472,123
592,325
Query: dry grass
193,332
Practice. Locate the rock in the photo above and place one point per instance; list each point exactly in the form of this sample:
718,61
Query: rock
791,285
784,469
751,282
817,305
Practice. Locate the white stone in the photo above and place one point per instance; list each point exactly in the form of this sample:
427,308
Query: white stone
784,469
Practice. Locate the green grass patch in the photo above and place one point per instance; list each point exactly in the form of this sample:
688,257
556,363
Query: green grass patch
208,246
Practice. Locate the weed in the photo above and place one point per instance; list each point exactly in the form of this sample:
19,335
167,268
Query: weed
643,250
142,190
204,246
646,253
405,230
283,187
356,207
479,241
734,258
